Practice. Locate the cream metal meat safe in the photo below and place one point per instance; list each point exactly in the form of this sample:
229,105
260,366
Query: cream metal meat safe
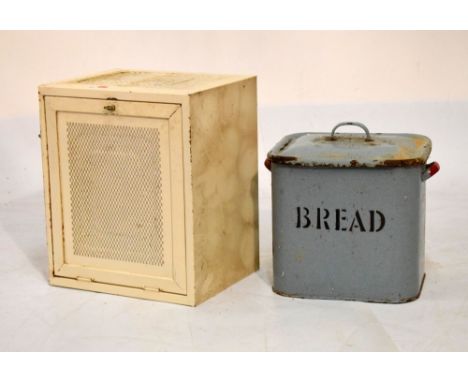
151,183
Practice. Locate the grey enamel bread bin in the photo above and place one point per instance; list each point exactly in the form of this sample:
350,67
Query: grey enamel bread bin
349,215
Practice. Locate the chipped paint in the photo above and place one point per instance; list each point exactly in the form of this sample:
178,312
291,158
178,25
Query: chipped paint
351,150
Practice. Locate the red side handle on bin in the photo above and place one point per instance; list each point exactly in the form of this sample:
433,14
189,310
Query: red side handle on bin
431,169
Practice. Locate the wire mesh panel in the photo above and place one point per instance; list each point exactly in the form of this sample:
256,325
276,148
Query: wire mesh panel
116,192
121,193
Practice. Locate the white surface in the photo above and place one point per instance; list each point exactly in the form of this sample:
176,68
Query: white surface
247,316
293,67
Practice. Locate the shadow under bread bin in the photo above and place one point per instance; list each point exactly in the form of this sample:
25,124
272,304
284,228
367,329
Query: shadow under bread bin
349,214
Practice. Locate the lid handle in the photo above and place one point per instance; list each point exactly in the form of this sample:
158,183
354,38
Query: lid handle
358,124
430,170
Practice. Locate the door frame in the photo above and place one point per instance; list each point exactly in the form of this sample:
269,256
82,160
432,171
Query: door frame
177,281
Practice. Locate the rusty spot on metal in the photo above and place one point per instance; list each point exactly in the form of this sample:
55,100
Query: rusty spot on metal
268,163
401,162
293,161
283,159
412,162
351,151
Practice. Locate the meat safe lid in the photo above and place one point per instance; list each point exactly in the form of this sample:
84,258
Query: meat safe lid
351,150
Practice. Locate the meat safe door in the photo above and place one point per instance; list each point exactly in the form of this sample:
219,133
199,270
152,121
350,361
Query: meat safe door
116,185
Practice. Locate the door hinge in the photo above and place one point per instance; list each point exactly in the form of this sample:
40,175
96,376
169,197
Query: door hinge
79,278
150,289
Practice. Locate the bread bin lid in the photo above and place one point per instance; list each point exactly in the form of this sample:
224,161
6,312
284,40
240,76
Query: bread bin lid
351,149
